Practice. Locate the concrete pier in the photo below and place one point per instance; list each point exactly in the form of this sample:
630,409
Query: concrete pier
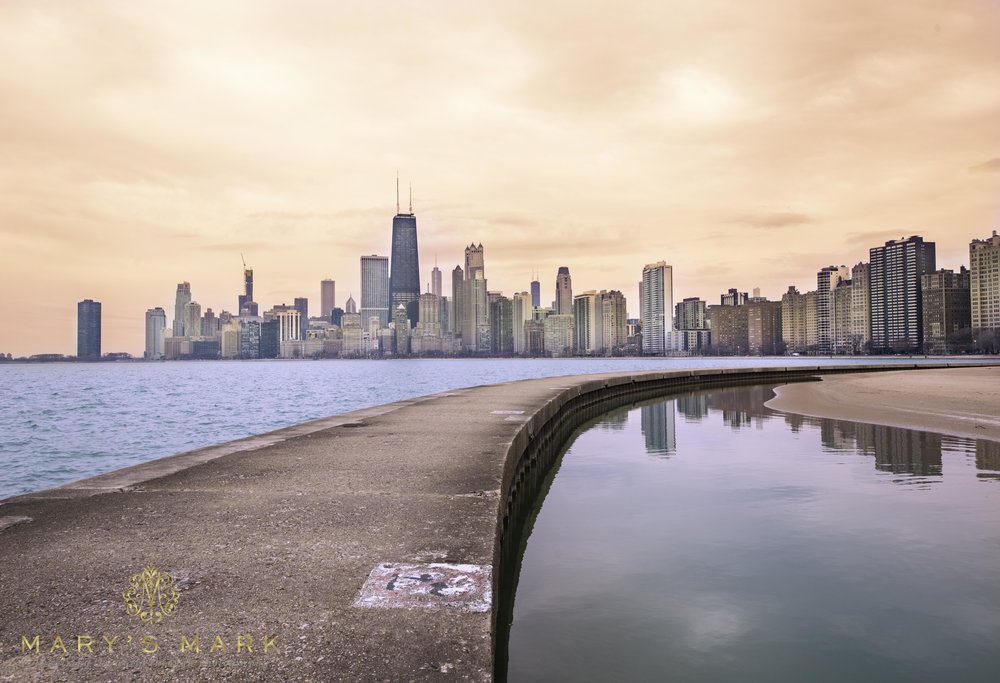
363,547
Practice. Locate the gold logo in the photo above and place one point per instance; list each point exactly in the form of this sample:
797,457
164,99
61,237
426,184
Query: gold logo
151,595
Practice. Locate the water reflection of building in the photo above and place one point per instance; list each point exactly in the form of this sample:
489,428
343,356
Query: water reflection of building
615,421
896,450
988,459
693,406
741,406
659,426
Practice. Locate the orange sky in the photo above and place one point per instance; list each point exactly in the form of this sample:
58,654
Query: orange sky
746,143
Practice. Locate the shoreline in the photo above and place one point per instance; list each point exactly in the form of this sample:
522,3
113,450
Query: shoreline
961,402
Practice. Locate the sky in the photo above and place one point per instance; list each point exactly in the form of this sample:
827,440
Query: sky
747,144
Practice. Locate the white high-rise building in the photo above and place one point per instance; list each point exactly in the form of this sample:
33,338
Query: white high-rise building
156,328
192,319
588,320
522,314
984,282
375,288
657,313
436,281
183,299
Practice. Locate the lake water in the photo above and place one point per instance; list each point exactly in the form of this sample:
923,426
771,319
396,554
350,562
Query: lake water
64,421
708,538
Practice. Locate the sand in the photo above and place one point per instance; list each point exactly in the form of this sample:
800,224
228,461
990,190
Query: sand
956,401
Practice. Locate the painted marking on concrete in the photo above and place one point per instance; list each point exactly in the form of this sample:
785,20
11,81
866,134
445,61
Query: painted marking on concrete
11,520
507,412
518,418
464,587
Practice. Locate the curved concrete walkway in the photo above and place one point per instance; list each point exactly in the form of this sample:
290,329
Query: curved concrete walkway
359,547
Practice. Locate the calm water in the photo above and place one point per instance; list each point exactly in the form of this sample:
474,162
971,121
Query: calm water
709,539
61,422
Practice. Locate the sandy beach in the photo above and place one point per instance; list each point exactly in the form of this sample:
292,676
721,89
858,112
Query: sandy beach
956,401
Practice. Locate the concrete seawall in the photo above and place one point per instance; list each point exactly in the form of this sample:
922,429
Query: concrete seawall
367,546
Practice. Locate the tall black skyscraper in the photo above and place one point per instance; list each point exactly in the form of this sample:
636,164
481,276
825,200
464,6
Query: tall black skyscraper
88,330
895,295
536,293
404,274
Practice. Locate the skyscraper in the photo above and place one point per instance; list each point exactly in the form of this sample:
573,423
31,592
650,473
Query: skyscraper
984,282
404,281
826,282
375,289
536,293
657,311
564,292
947,308
588,321
182,299
88,330
456,315
521,314
327,298
247,296
475,266
301,304
192,319
156,327
613,317
436,281
896,302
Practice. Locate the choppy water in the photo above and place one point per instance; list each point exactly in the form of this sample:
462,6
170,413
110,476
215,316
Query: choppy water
708,538
61,422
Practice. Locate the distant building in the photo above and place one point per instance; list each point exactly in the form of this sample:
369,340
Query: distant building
375,288
521,313
270,339
289,324
192,319
250,337
730,330
534,338
301,304
798,321
826,281
402,327
861,314
734,298
656,306
353,334
564,292
764,327
327,298
502,326
182,299
588,322
536,294
613,318
426,336
156,329
896,301
558,335
209,324
456,312
475,266
350,306
436,282
690,314
404,282
88,330
947,308
245,299
984,282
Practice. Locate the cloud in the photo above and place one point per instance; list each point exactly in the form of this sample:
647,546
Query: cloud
991,166
777,219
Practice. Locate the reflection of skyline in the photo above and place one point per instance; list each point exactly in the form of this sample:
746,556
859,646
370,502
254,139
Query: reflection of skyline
988,459
895,450
659,426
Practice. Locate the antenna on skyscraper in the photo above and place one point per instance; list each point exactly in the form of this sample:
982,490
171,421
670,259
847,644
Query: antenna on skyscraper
397,191
411,197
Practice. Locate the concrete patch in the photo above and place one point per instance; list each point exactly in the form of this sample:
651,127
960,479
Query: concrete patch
465,587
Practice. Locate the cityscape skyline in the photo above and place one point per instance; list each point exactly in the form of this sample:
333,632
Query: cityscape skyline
736,155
